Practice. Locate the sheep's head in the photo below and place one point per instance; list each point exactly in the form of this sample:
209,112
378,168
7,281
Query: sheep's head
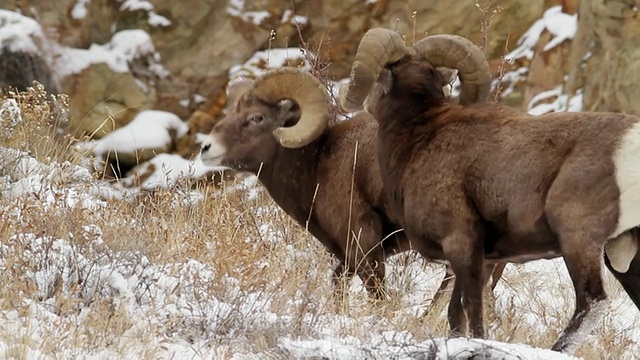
382,56
284,108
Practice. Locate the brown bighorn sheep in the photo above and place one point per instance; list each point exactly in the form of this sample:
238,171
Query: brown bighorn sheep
325,177
479,183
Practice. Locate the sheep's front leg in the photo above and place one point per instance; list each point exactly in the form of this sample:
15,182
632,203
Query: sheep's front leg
465,254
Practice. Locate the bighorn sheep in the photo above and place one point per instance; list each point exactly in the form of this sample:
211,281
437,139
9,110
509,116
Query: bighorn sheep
325,177
479,183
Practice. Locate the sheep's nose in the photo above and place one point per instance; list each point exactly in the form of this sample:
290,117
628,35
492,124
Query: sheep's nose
205,148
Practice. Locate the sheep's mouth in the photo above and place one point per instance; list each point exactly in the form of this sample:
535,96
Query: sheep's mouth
209,160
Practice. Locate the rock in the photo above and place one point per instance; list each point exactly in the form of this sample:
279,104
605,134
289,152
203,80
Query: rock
549,64
604,56
22,59
109,100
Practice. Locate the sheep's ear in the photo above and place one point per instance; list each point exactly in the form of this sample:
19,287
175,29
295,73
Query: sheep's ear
288,113
385,80
237,87
448,74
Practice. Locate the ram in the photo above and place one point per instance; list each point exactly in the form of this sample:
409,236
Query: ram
479,182
322,173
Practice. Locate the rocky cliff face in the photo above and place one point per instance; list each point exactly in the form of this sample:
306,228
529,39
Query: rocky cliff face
604,56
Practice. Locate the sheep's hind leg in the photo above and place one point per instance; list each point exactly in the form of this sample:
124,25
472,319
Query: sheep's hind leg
465,254
584,265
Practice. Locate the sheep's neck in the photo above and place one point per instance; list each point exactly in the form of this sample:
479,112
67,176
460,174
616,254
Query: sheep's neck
400,134
291,179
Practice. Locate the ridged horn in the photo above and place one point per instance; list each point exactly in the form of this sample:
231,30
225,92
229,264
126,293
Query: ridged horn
456,52
238,87
377,48
307,91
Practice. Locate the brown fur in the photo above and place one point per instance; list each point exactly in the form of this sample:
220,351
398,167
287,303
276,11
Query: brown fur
486,181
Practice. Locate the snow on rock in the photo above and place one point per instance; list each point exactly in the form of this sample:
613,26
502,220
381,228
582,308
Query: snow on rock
124,47
150,130
236,9
10,116
400,346
265,60
555,101
79,10
19,33
143,5
289,17
561,25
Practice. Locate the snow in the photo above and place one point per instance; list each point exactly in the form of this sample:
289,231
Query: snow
261,61
154,19
402,348
150,129
561,25
79,10
134,5
124,47
170,169
560,102
289,17
19,33
158,20
236,9
10,114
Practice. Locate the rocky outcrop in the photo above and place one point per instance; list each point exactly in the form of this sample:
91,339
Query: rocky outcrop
604,56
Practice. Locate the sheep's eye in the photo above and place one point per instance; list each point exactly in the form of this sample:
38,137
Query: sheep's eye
257,118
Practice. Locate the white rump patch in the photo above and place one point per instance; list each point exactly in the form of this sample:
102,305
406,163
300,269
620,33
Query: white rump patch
621,251
627,164
212,151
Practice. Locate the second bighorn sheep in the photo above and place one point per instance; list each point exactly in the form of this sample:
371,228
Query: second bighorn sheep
479,183
323,175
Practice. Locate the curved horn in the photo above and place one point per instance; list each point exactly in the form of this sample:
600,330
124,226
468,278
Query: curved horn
308,92
238,87
377,48
456,52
